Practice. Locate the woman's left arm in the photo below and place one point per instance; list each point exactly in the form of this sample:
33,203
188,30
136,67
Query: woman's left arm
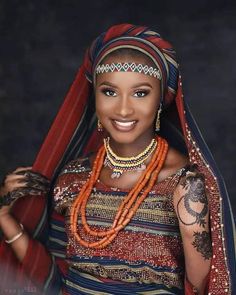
191,206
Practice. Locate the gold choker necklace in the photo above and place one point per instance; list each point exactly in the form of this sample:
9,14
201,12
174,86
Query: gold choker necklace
120,164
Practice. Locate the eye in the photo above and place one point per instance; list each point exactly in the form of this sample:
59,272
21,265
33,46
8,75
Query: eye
141,93
109,92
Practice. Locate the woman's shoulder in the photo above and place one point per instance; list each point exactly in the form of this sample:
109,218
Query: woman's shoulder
191,185
78,165
173,163
190,201
69,182
175,159
73,172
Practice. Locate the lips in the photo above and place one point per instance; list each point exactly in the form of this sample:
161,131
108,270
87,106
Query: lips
124,126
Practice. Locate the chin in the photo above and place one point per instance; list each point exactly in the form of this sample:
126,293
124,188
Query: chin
124,137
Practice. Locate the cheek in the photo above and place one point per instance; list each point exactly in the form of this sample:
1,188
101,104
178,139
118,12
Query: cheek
103,105
149,108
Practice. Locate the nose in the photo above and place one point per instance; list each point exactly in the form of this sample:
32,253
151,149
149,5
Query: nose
125,107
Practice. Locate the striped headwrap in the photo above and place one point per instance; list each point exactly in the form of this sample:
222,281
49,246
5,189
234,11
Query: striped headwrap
143,40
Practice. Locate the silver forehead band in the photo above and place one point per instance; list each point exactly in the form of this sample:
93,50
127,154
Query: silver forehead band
128,67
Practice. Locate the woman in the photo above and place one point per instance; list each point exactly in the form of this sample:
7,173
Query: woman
140,214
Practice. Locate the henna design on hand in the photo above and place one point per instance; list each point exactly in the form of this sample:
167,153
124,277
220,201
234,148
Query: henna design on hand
5,200
202,243
195,187
37,185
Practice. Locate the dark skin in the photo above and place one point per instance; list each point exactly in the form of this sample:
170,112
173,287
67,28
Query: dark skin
174,161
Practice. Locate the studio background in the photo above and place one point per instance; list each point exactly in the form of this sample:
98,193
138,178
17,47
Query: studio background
42,44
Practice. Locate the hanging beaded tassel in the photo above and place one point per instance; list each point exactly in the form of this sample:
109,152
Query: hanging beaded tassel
158,119
99,126
120,164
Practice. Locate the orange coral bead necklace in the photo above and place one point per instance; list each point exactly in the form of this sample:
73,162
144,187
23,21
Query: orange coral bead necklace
128,206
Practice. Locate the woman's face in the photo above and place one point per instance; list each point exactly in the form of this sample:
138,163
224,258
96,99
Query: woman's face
127,102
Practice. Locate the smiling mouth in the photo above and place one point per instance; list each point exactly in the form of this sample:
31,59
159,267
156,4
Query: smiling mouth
124,126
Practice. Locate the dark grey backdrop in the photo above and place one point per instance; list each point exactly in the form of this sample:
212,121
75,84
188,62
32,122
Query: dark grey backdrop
42,44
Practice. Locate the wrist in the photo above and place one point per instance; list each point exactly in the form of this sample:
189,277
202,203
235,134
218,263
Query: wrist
16,236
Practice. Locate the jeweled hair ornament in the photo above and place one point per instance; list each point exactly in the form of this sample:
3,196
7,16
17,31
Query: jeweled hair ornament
128,67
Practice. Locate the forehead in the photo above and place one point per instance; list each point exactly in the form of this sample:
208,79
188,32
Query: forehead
126,80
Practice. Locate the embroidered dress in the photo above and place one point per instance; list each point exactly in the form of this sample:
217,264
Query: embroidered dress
146,256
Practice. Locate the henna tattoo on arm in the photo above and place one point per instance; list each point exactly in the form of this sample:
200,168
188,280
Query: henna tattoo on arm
202,243
194,186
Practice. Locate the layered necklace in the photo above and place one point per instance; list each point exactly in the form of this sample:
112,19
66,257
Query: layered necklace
120,164
128,206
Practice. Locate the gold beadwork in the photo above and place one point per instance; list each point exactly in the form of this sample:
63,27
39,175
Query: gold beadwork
121,164
99,126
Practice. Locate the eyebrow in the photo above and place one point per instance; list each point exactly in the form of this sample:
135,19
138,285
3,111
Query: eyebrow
142,84
106,83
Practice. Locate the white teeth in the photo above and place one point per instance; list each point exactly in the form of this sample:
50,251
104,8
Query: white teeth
125,124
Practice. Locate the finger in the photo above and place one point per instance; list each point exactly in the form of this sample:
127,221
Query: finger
37,178
36,174
16,181
22,180
13,181
20,191
26,191
13,177
29,183
22,169
21,184
22,172
34,192
10,185
15,186
37,186
40,185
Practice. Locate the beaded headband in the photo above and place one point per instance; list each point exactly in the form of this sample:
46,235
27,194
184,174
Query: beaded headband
128,67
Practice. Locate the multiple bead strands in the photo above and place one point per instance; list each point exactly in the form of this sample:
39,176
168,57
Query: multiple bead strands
129,205
120,164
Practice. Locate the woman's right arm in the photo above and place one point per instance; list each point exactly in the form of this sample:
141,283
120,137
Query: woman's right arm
8,224
36,261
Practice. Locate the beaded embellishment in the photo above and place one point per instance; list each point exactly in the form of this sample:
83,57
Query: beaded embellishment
120,164
128,67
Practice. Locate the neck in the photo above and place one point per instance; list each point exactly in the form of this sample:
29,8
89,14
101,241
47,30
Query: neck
133,148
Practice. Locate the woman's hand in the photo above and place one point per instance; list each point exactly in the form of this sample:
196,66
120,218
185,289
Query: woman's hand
21,182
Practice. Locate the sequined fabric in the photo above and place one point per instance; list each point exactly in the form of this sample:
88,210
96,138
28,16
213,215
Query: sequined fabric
149,250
